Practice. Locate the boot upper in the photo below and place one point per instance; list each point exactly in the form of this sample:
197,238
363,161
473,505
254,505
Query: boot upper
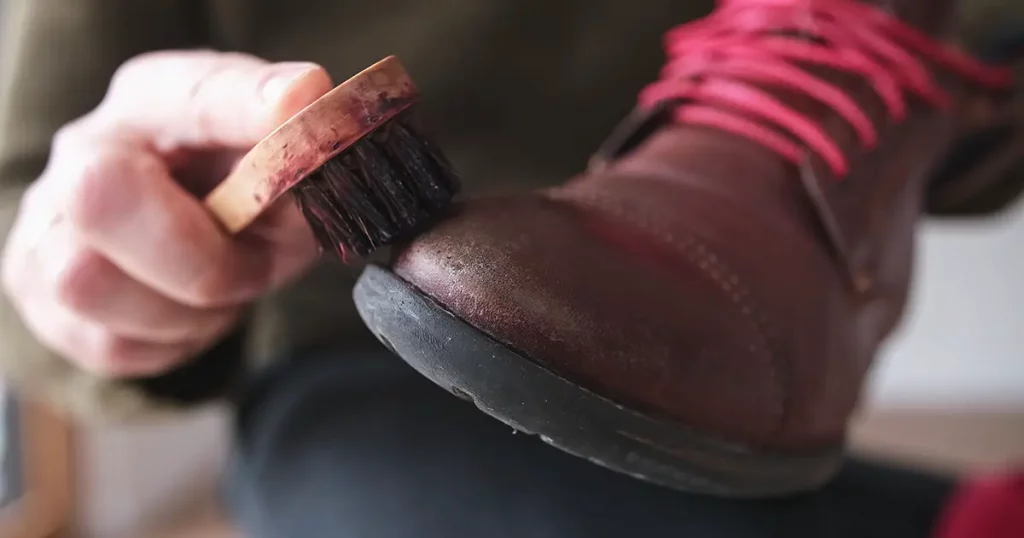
706,276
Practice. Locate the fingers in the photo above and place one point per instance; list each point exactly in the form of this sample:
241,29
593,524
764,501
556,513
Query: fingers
283,232
93,288
123,203
289,98
82,307
200,98
95,348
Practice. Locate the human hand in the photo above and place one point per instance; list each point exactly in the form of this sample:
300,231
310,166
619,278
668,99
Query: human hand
113,262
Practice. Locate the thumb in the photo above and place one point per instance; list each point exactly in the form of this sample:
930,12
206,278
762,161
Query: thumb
286,96
201,98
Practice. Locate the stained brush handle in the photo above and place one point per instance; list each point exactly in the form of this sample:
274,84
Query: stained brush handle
315,135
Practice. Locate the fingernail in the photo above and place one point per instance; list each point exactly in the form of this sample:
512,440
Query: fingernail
282,76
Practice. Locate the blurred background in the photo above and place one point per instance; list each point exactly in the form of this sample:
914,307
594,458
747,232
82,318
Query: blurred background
947,395
963,342
949,389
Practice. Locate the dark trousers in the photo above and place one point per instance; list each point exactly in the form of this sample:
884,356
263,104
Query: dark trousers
359,445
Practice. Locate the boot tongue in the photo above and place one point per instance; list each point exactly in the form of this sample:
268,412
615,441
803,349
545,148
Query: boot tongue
769,98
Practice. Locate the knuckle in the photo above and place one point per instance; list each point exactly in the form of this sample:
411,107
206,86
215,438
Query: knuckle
82,136
64,137
205,120
202,281
93,178
33,194
132,69
68,138
80,280
110,352
140,71
116,356
99,181
224,285
218,80
207,290
202,102
182,64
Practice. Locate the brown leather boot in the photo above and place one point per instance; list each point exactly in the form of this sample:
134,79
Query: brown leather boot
699,310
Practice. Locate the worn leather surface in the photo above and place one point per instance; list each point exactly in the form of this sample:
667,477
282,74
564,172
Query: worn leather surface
701,279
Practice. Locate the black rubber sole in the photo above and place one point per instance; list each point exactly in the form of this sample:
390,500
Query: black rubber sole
533,400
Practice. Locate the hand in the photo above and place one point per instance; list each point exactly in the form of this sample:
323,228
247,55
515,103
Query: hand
113,261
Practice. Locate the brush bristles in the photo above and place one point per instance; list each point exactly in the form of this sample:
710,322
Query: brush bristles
380,190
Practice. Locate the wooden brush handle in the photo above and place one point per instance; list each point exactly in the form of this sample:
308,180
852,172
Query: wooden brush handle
310,138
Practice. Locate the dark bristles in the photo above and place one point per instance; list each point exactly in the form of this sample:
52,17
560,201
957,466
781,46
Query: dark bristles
380,190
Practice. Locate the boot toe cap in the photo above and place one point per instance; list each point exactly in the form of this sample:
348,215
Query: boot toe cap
586,298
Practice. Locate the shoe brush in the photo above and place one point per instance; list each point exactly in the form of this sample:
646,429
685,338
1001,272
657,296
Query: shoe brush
357,161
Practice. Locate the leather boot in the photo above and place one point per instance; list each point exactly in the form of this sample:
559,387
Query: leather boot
700,308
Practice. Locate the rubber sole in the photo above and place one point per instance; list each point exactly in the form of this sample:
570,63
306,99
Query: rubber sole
534,400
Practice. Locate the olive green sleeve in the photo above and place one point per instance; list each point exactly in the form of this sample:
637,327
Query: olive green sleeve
56,59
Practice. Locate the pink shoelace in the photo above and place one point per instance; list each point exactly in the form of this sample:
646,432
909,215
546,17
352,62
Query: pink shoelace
715,63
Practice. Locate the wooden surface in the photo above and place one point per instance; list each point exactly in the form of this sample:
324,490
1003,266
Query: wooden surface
208,522
44,510
954,440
